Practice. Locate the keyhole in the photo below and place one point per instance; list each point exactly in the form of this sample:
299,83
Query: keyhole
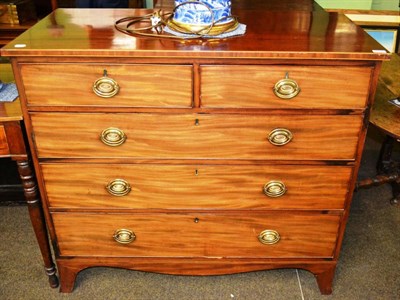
196,220
196,122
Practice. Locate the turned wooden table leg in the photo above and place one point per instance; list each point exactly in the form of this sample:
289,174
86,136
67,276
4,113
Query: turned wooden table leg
37,218
386,165
388,171
385,155
396,193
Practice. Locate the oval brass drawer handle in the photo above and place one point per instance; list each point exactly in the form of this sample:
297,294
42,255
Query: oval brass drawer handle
280,136
269,237
118,187
274,189
124,236
105,86
286,88
113,137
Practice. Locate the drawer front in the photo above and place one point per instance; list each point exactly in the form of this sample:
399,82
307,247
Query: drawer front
4,150
191,136
252,86
139,85
195,187
199,235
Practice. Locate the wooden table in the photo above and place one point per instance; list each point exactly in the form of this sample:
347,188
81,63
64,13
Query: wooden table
386,117
12,144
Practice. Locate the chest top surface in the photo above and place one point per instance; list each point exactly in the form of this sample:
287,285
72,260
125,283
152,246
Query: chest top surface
271,33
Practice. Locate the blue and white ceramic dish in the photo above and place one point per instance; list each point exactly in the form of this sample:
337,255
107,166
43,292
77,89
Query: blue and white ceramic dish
198,12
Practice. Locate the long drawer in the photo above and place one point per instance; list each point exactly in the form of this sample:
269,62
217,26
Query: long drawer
197,234
139,85
320,87
188,136
195,187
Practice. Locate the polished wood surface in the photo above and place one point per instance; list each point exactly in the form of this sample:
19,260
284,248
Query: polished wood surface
9,111
251,86
140,85
270,34
385,115
3,142
214,235
9,32
183,186
224,145
190,136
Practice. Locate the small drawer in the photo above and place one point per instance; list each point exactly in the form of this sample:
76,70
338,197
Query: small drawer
262,234
143,186
196,136
4,149
95,85
253,86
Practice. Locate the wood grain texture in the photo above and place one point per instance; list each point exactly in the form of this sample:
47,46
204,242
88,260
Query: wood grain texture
69,267
214,235
189,119
385,115
291,34
215,137
251,86
36,214
4,149
195,186
140,85
15,139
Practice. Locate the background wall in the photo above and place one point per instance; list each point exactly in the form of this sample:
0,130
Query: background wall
360,4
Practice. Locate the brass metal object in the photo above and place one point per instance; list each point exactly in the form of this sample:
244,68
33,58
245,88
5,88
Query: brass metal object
118,187
286,88
208,29
124,236
143,25
17,12
113,137
269,237
280,136
274,188
105,86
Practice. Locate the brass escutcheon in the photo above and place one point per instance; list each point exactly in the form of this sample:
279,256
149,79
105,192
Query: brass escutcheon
280,136
286,88
118,187
269,237
124,236
274,188
105,86
113,137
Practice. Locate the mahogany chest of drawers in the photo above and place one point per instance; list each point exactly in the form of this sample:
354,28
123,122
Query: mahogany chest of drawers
197,157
